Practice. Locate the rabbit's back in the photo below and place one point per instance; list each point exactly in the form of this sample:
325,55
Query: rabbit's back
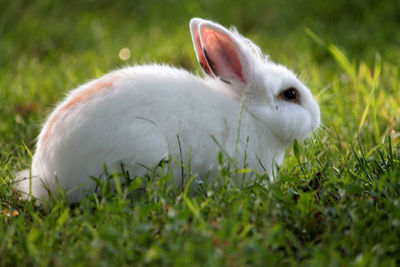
134,116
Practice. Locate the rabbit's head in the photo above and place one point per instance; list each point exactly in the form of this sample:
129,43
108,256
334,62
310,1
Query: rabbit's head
273,94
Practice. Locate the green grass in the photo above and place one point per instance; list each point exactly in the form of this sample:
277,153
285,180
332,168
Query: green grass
337,199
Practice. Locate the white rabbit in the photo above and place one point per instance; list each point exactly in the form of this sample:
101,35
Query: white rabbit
135,116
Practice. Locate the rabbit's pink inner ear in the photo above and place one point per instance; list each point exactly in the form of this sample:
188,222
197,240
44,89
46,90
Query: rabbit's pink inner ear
222,55
200,54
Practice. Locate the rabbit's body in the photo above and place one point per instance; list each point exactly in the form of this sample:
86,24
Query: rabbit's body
140,115
138,125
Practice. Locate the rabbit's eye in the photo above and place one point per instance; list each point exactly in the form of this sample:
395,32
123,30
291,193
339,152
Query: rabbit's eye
290,94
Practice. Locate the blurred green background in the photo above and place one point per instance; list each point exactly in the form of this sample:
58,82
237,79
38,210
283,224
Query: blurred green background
49,29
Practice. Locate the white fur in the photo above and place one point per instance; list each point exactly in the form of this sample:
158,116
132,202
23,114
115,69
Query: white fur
136,122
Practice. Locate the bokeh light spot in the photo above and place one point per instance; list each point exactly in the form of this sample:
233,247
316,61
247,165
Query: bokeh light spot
124,53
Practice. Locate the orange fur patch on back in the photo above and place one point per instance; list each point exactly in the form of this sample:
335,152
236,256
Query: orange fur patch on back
81,97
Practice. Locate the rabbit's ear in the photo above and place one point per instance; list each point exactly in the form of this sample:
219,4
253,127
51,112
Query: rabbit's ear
194,30
226,57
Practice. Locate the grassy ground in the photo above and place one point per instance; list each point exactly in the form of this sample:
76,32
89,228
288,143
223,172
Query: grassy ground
336,201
